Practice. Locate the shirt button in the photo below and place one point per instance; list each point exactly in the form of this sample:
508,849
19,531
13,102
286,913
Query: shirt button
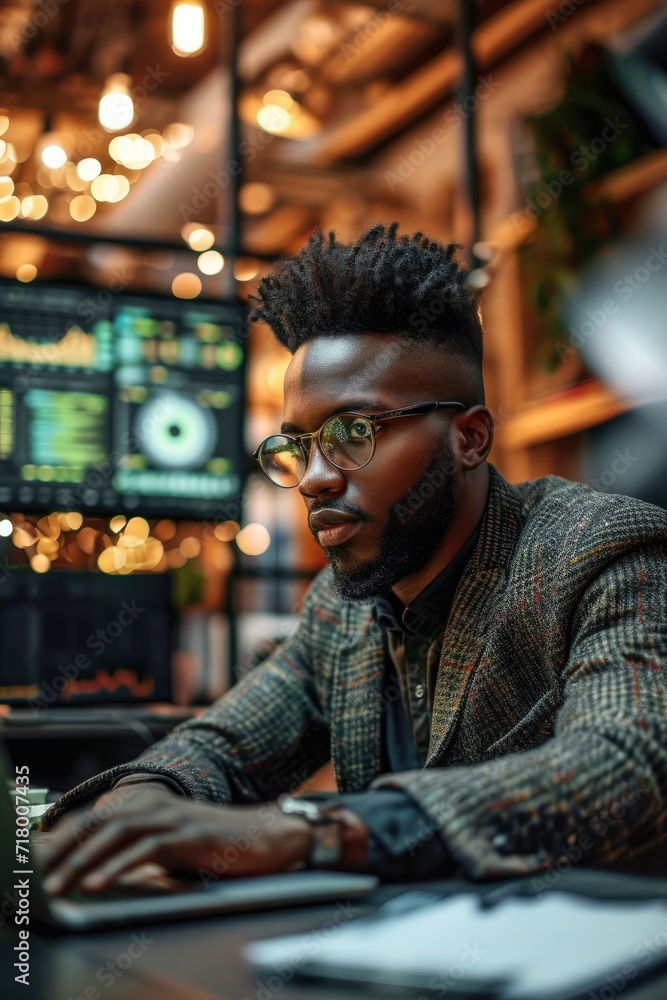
419,691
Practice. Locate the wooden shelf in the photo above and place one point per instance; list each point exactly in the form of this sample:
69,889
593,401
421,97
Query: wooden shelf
629,181
563,413
634,178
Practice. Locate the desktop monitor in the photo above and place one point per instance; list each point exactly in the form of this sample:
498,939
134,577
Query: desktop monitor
74,638
116,403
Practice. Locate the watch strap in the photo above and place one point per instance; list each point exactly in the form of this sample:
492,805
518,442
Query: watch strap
326,844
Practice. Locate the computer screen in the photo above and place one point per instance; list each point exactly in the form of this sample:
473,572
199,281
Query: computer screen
71,638
120,402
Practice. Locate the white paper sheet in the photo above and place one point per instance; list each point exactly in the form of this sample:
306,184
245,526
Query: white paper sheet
552,945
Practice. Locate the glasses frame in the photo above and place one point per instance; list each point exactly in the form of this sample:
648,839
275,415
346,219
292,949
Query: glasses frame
417,410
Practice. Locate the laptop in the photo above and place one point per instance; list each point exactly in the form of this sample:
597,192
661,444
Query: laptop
158,899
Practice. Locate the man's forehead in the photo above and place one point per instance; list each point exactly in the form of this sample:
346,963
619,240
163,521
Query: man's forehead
371,372
365,360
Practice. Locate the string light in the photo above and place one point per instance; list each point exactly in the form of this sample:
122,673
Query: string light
188,27
116,109
210,262
26,272
253,539
89,168
186,285
54,156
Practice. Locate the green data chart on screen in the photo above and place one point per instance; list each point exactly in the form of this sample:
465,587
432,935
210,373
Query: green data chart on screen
124,402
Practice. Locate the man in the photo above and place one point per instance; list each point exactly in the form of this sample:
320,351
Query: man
484,663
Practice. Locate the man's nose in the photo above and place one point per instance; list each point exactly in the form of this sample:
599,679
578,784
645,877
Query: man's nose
320,474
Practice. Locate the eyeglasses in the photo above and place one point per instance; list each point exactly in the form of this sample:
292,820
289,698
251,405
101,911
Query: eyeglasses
347,440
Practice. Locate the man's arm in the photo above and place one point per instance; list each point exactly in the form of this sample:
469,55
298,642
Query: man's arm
267,735
599,785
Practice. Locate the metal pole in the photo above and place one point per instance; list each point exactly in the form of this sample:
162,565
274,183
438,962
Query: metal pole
467,100
235,241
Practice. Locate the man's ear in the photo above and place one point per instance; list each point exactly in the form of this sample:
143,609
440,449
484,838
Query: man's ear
475,436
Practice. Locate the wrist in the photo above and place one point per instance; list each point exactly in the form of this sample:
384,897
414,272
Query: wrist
294,837
124,788
355,840
338,837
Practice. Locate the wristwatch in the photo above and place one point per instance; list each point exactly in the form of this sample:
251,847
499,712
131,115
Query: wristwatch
327,845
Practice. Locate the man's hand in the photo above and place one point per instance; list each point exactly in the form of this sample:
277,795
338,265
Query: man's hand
93,846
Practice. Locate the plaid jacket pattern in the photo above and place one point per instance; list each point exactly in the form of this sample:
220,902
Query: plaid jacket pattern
549,727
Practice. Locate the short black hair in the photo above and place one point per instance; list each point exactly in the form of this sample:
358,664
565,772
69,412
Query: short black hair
408,285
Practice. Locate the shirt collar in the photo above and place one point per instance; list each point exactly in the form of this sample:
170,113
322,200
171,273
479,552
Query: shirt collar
427,613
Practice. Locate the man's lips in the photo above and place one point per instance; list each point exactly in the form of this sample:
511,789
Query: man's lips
327,517
333,526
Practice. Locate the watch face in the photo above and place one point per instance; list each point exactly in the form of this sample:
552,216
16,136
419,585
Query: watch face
326,846
301,807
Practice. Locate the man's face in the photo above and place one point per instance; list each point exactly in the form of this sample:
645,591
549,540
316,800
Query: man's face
406,496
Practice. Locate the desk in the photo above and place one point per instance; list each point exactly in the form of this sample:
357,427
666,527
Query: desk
201,959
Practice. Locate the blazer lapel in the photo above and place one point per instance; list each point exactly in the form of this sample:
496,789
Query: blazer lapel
473,610
356,701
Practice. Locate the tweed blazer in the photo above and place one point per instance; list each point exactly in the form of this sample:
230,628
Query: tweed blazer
549,726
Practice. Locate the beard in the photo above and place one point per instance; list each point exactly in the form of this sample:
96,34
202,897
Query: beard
417,523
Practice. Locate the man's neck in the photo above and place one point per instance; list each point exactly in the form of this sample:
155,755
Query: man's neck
468,513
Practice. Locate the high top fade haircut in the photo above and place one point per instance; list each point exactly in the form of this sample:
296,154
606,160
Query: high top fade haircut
408,285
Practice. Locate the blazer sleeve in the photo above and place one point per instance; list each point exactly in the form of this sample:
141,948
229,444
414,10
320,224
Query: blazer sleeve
595,790
265,736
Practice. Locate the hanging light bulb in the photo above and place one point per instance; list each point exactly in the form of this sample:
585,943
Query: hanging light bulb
188,27
54,156
116,110
53,146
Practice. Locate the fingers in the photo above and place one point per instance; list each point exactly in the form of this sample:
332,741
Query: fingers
99,847
76,827
68,833
167,849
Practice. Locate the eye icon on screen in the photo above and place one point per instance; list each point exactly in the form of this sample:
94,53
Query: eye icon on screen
176,432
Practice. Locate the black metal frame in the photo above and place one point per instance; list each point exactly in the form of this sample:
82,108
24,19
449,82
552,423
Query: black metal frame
416,410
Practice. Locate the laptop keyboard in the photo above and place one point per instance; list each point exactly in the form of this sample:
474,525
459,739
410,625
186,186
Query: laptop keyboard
158,885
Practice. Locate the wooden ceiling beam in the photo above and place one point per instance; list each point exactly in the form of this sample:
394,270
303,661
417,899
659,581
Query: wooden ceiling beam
435,81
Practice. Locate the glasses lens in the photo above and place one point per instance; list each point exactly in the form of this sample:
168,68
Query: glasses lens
282,460
347,440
